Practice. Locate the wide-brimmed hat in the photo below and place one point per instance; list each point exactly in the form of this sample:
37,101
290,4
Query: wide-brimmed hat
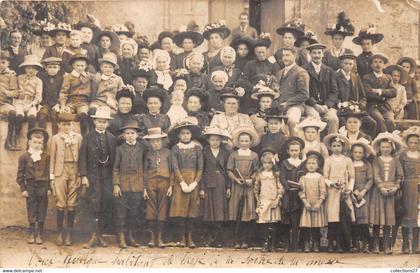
319,157
84,23
31,60
154,91
309,36
380,56
316,46
195,36
350,109
368,33
274,113
412,131
392,137
154,133
124,93
312,122
135,73
51,60
295,26
165,34
78,56
64,27
216,130
109,57
408,60
38,130
336,137
115,41
102,113
197,92
403,74
190,123
343,26
219,27
242,40
130,124
121,29
255,138
229,92
261,90
366,145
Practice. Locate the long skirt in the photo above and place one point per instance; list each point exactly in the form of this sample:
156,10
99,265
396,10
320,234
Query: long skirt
248,207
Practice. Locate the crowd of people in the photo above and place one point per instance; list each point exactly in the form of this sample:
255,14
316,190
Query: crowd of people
303,143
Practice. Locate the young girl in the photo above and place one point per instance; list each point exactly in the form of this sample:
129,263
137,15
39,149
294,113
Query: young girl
312,127
187,166
410,161
241,167
268,193
176,112
388,173
339,177
290,171
398,103
215,183
363,182
313,195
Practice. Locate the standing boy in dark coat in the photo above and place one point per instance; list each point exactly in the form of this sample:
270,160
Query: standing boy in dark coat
33,180
128,183
96,159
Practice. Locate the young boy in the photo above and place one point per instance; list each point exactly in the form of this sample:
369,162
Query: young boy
8,91
73,48
106,84
52,80
76,91
157,171
96,159
64,150
128,183
33,180
30,95
379,87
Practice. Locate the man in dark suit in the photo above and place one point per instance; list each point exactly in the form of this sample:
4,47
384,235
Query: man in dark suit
244,29
96,160
323,91
379,88
294,86
16,49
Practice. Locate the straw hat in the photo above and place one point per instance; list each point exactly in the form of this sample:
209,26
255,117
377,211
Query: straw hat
190,123
403,74
412,131
102,113
295,26
336,137
109,58
312,122
408,60
391,137
380,56
215,130
31,60
219,27
255,139
365,143
155,133
368,33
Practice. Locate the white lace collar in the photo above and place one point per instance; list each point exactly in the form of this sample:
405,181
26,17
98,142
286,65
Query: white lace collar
35,154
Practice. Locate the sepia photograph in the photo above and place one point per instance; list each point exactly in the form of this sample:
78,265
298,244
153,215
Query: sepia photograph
209,134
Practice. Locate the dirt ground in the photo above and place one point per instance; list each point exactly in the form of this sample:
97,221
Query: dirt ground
15,252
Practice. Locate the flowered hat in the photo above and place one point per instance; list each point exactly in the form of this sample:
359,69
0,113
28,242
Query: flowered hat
121,29
343,26
312,122
263,88
274,113
216,130
190,123
412,131
350,109
263,40
393,138
309,36
64,27
368,33
294,26
219,27
365,143
336,137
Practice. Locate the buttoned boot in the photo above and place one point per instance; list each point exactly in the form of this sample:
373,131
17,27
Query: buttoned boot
39,238
70,222
121,238
130,239
60,219
406,242
159,242
31,237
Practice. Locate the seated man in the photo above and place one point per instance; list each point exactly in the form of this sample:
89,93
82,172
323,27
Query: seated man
323,92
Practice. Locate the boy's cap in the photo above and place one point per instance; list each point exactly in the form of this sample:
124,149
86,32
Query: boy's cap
51,60
77,57
38,130
131,124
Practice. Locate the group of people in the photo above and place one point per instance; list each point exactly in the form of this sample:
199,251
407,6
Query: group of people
302,143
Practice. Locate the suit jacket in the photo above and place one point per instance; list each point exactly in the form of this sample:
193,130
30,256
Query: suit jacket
370,81
249,32
57,148
294,86
128,167
30,171
352,90
323,87
89,155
